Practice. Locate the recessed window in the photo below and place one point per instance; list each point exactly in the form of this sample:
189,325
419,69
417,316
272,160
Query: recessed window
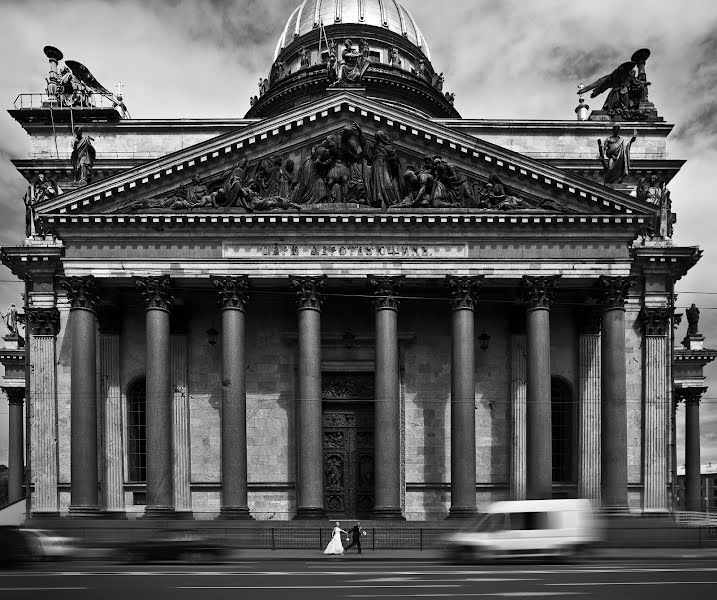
137,430
563,430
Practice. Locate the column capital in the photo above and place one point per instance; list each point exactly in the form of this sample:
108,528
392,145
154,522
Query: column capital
15,395
233,292
43,321
309,291
464,291
540,291
690,395
589,321
82,291
656,321
156,291
612,291
386,289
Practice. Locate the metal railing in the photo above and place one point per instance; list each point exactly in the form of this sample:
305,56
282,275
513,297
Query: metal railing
37,101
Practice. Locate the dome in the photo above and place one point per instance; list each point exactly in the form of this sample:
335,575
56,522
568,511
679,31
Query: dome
387,14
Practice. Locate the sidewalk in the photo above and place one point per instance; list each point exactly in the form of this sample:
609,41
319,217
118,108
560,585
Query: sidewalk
436,556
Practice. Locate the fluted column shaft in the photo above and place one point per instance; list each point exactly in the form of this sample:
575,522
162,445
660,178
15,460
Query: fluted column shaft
113,445
464,293
656,324
42,408
232,300
16,437
539,473
518,394
82,293
613,384
589,412
160,472
693,483
310,485
387,413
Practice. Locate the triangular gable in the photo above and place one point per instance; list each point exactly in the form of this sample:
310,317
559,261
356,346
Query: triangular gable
413,134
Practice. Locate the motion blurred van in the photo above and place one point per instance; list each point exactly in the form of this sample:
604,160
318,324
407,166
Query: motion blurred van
525,528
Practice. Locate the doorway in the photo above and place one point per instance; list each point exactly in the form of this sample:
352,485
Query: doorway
348,454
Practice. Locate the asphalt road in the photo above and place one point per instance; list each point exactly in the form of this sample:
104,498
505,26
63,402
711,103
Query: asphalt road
350,577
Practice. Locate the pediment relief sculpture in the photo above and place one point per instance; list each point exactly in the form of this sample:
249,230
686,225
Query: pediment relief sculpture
350,169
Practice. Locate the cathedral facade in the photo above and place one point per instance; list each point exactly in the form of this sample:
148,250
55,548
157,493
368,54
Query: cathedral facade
353,302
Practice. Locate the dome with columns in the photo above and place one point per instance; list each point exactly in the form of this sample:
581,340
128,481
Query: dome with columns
386,14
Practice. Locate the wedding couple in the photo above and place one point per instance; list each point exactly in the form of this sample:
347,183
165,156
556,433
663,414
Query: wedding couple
335,546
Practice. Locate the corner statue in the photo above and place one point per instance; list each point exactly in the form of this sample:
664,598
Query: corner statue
693,318
627,90
615,156
83,156
10,319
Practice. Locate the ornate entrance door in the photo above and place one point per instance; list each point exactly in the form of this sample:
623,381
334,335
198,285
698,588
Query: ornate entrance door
348,432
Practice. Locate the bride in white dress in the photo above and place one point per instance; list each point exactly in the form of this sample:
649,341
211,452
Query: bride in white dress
335,546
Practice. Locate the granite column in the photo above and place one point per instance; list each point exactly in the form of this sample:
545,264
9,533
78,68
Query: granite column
464,294
693,483
158,299
613,386
387,412
15,450
310,485
232,300
82,293
540,292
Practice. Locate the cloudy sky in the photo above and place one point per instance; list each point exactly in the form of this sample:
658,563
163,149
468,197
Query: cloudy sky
503,59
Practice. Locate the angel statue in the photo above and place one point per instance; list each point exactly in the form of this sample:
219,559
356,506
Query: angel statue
626,88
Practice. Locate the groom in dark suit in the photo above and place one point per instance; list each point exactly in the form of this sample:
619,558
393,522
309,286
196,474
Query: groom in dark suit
356,533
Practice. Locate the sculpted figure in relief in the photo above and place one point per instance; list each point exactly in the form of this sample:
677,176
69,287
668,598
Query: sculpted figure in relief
385,183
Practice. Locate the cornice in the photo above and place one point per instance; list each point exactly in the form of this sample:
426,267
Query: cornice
433,137
428,218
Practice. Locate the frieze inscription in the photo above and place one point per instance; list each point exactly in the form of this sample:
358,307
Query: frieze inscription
230,250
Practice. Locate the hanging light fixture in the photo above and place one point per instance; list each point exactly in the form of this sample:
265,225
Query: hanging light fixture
484,340
212,335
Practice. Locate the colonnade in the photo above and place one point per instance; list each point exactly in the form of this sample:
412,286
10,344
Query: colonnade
233,296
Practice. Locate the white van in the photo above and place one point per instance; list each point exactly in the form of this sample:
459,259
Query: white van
522,528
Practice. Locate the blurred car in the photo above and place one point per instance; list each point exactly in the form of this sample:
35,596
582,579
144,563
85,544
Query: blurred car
527,528
15,549
49,545
174,545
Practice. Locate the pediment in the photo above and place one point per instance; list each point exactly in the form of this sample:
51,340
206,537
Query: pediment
248,171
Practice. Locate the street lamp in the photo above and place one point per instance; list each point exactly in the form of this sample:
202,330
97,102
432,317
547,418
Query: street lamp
484,339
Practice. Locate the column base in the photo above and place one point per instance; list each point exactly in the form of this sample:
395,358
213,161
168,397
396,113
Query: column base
310,512
235,513
388,513
161,512
45,514
83,512
462,512
615,511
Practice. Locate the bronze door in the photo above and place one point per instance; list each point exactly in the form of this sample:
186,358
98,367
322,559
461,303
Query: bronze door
348,441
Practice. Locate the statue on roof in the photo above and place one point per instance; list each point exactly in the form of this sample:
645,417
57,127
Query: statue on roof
693,318
627,89
615,156
656,193
304,60
10,319
393,59
353,64
83,156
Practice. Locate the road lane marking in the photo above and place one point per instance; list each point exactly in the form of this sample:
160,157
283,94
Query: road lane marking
472,594
39,589
634,583
472,579
302,587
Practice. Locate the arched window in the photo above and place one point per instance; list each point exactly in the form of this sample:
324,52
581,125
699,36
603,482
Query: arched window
563,430
137,430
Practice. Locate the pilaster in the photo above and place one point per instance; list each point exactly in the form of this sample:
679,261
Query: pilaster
44,325
589,405
656,406
518,399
